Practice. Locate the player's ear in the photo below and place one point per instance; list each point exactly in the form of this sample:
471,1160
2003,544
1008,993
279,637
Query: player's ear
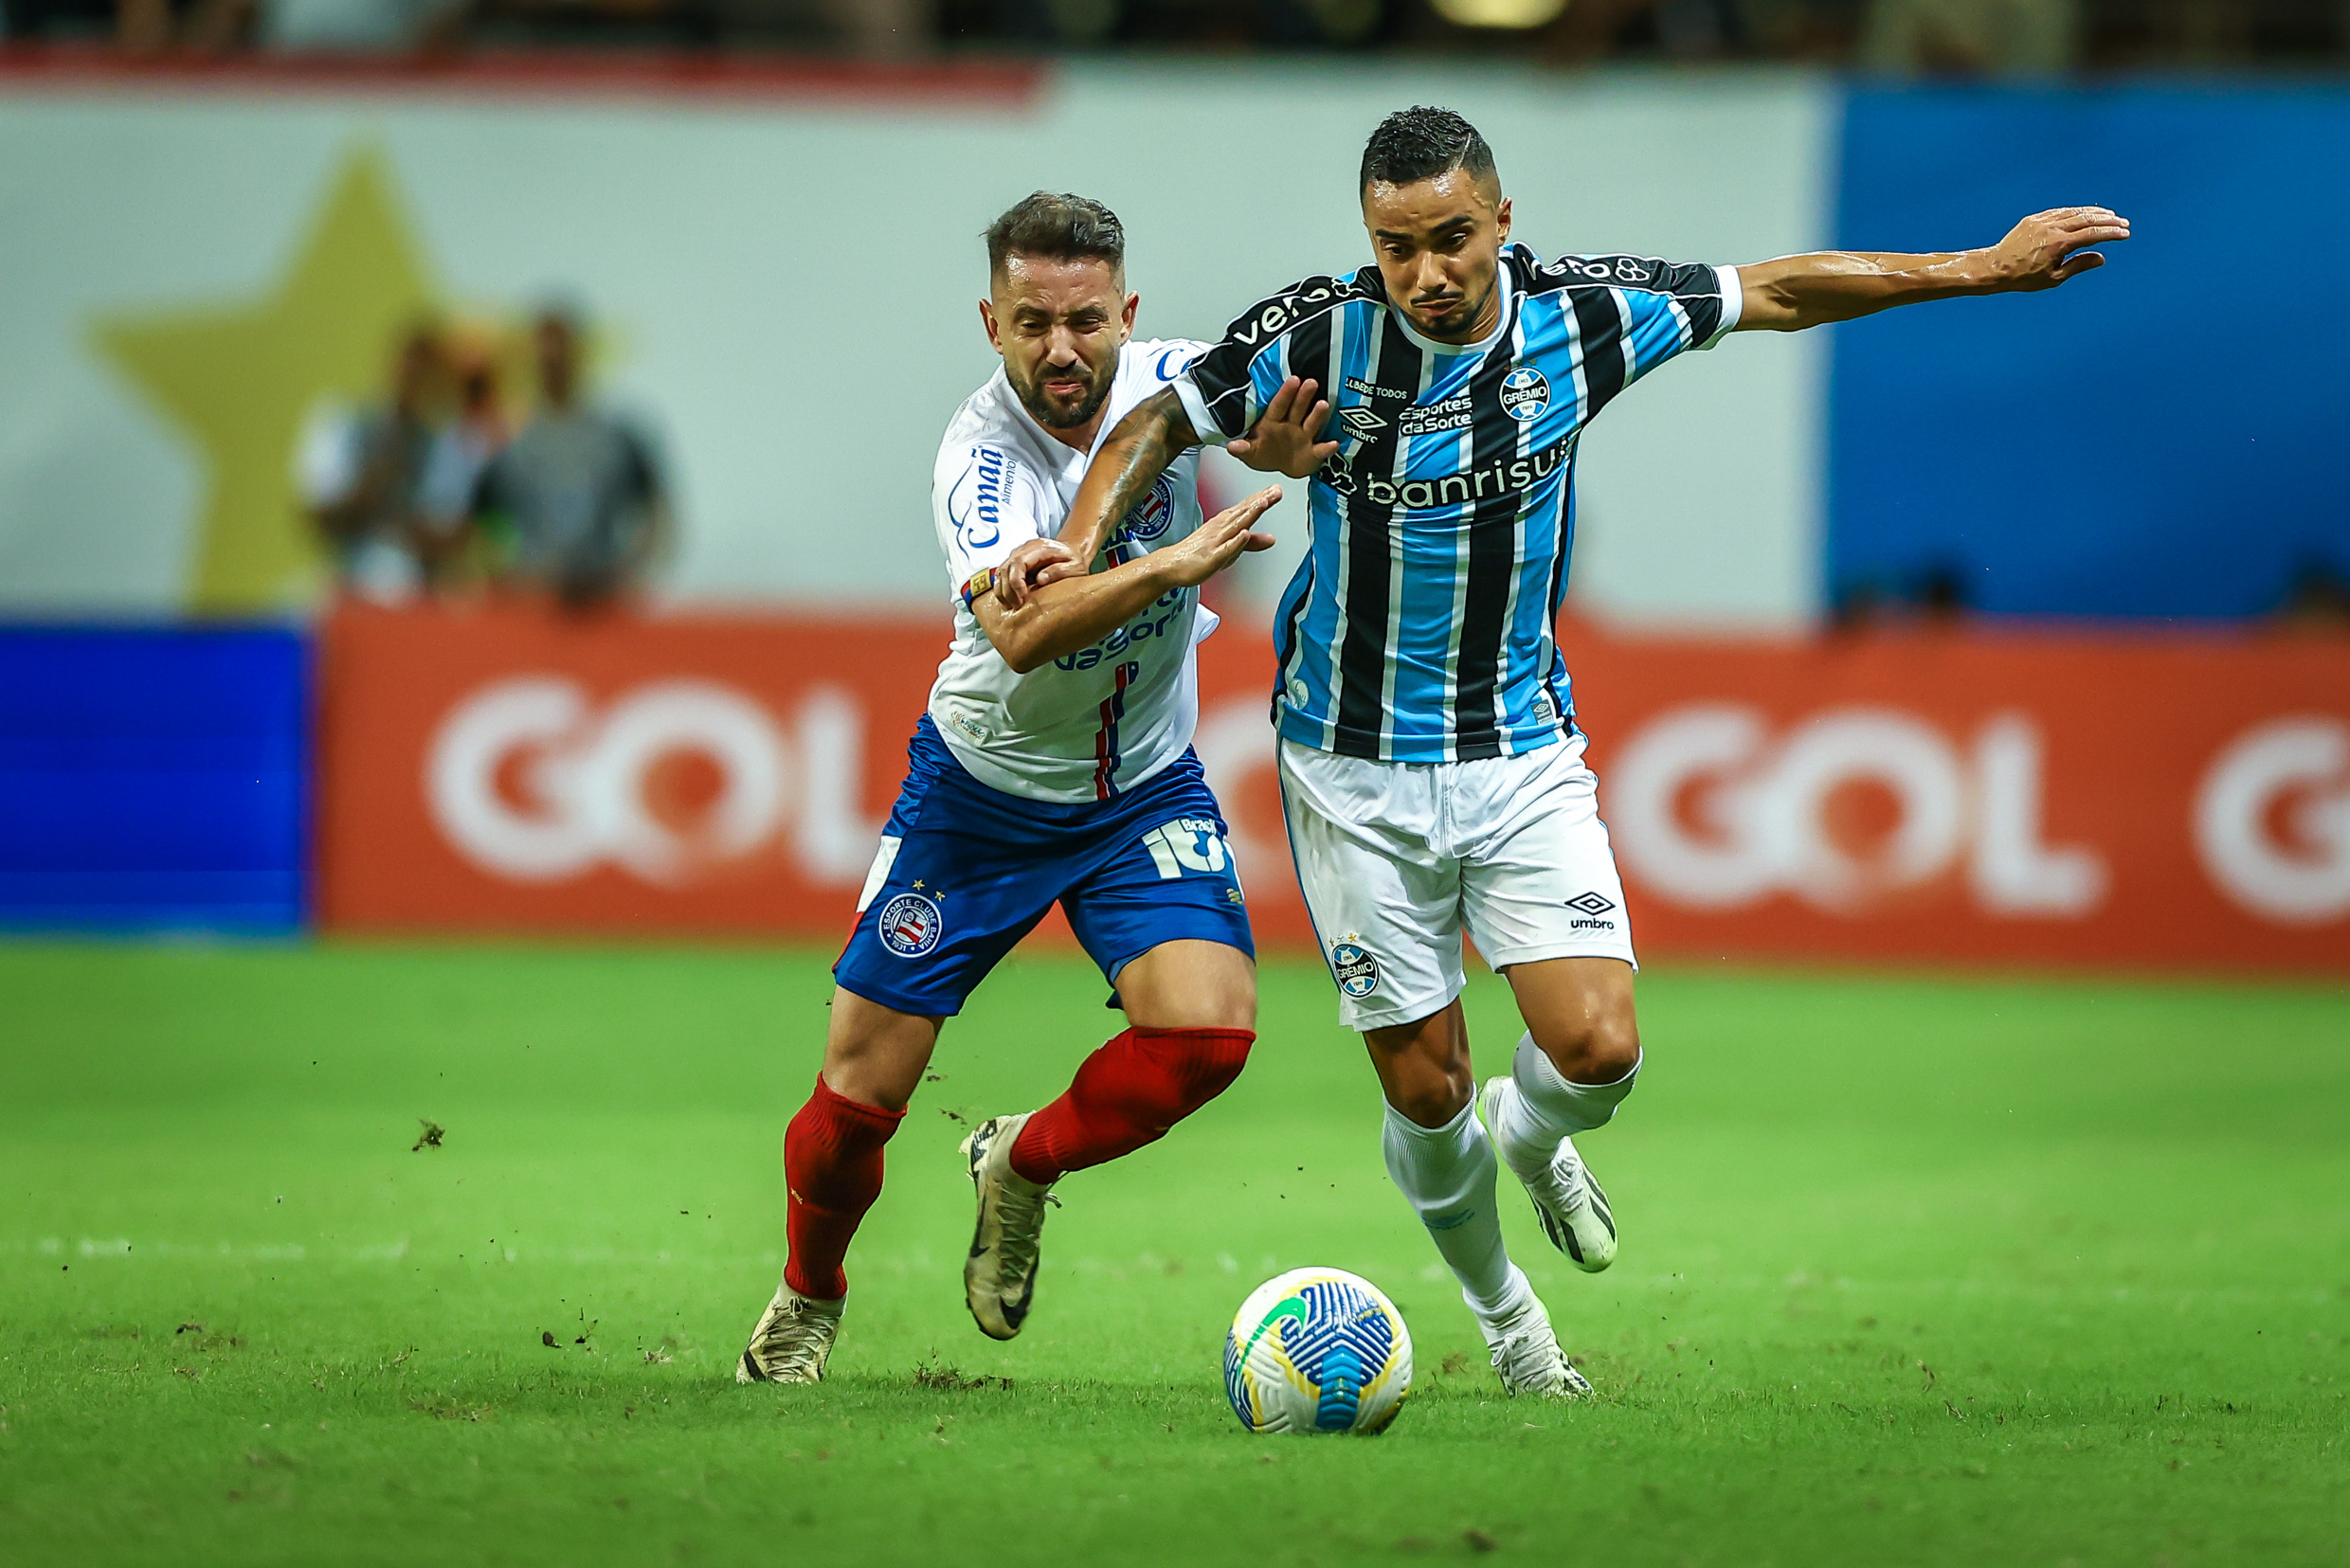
987,319
1132,301
1501,219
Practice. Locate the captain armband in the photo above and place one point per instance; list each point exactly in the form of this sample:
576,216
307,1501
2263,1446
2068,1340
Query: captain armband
981,583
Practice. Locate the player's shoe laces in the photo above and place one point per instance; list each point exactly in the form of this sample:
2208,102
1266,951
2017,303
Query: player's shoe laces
793,1340
1567,1200
1000,1276
1527,1360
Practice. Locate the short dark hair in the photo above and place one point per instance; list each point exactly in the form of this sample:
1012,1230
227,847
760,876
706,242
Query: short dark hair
1422,143
1063,227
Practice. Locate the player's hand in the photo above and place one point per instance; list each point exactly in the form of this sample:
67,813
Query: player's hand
1220,541
1283,441
2050,249
1032,563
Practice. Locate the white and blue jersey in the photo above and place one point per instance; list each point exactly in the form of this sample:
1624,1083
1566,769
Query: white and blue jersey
1420,626
1072,784
1102,719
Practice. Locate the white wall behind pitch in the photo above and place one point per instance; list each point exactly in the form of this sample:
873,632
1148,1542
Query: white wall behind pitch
792,294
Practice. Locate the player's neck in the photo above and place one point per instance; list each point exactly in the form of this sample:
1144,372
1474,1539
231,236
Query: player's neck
1077,438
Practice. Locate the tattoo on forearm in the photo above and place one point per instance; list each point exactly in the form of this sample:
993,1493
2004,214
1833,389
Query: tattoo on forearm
1134,462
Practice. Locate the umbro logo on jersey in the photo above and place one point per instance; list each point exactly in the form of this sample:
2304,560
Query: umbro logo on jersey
1362,421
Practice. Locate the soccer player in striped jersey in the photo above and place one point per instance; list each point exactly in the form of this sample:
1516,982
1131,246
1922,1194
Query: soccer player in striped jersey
1053,765
1432,769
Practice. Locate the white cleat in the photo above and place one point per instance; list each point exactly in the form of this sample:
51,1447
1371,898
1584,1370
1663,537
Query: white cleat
1568,1199
792,1342
1527,1360
1000,1276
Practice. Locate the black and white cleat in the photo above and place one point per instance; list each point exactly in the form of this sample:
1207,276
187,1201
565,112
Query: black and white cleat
1000,1276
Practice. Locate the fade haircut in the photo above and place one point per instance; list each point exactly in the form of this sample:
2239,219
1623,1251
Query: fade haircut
1423,143
1064,227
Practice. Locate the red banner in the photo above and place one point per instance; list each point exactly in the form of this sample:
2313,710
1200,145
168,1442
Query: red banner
1938,796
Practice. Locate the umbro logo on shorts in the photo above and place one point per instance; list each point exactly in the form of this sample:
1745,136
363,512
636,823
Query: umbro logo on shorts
1591,902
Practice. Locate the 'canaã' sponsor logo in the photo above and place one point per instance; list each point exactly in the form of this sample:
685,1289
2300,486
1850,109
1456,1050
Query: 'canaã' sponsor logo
1502,477
976,501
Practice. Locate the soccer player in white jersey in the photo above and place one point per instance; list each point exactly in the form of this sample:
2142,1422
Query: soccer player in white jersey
1431,766
1053,765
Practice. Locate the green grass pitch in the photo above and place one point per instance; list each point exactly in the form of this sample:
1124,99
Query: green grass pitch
1916,1270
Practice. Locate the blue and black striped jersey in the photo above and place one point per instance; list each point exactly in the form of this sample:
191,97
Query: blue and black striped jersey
1420,627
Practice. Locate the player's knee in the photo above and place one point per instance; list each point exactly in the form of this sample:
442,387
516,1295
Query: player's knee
1432,1095
1211,1059
1600,1049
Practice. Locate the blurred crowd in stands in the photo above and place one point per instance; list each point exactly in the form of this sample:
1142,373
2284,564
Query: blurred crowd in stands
439,488
1960,38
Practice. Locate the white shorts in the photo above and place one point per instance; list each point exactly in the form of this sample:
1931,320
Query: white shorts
1396,858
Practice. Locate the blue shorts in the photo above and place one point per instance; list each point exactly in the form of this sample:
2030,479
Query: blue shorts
966,871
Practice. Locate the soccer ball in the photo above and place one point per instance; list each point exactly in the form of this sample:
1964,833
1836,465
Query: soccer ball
1317,1350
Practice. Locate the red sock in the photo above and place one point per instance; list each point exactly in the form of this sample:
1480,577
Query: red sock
832,1166
1128,1095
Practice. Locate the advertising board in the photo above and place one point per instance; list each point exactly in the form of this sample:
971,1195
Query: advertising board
1907,796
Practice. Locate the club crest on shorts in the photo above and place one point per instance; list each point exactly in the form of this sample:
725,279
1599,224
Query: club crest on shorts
910,924
1524,393
1356,971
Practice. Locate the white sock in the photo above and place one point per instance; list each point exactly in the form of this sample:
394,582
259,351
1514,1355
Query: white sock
1447,1176
1539,1106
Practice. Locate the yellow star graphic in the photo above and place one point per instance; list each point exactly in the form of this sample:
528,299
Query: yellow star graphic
240,379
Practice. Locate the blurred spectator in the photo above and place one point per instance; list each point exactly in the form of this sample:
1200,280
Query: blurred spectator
361,477
460,452
575,499
1970,37
354,27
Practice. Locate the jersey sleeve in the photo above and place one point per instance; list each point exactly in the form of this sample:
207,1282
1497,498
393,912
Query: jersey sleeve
985,501
1226,387
1672,306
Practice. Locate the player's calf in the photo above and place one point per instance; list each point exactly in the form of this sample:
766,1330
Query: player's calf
1127,1095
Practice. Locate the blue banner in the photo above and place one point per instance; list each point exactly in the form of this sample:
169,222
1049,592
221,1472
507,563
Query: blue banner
153,779
2159,438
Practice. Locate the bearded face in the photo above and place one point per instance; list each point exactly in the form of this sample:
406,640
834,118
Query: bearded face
1059,324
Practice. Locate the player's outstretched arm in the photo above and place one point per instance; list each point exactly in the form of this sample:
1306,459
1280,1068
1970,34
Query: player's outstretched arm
1153,434
2045,250
1062,617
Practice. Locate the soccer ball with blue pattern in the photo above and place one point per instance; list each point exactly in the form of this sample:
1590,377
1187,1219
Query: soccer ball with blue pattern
1317,1350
